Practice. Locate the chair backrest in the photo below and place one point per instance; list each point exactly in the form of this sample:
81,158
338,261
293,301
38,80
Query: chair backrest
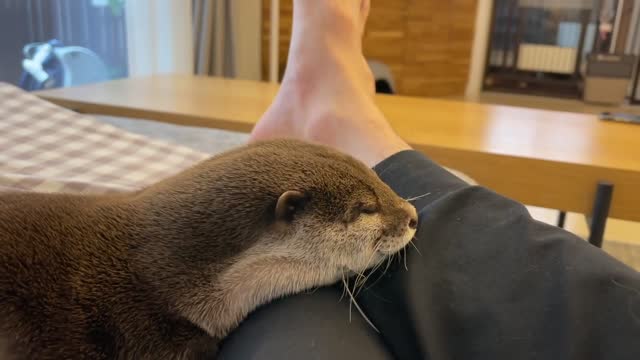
81,66
382,72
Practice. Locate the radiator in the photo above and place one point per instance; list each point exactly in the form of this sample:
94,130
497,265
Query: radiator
547,58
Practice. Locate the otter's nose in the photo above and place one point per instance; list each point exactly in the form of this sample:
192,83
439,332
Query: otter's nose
413,221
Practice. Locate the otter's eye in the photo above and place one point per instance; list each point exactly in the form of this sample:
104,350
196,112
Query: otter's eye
368,208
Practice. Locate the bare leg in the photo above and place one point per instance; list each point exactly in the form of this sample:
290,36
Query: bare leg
327,90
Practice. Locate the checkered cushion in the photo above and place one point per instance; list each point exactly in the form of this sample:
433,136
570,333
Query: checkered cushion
46,148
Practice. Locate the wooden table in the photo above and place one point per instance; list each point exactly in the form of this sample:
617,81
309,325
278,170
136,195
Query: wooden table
541,158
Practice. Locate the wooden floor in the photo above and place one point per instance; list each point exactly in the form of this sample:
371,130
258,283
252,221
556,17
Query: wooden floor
628,254
622,238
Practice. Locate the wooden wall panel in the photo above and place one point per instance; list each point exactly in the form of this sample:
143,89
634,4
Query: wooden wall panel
426,43
385,37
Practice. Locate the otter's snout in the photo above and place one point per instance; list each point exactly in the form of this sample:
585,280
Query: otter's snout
400,226
401,219
412,217
406,216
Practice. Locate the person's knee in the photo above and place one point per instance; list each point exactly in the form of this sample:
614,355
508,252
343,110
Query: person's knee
305,326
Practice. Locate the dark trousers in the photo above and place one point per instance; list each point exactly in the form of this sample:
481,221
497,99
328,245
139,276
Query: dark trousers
489,283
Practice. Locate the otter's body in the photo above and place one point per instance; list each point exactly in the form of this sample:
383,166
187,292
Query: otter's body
67,286
168,271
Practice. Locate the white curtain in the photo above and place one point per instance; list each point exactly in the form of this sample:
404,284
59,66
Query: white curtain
226,38
159,37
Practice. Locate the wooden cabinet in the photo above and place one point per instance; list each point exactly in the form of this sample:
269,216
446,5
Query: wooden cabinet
426,43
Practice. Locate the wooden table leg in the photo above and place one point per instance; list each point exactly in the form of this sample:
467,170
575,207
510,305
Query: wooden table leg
562,216
600,212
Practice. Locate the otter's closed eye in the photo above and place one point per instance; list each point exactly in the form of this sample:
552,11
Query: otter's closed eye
368,208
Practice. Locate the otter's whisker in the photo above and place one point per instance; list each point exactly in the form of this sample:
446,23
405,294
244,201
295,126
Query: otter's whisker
404,257
358,284
344,291
312,291
362,285
384,171
346,287
389,260
418,197
355,303
414,246
361,278
357,289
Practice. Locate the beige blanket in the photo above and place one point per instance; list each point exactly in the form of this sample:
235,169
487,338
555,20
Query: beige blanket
46,148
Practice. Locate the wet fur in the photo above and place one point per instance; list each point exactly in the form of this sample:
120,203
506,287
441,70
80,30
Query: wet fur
167,272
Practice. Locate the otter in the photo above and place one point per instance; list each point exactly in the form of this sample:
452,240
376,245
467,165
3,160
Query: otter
168,271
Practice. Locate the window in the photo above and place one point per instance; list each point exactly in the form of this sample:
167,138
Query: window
53,43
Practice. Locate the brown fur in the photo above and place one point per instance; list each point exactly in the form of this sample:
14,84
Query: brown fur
167,272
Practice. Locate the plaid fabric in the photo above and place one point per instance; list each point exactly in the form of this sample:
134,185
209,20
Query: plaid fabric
46,148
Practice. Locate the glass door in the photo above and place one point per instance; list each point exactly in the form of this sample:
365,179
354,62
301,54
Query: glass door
56,43
539,46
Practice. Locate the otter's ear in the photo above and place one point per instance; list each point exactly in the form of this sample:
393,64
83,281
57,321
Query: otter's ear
289,203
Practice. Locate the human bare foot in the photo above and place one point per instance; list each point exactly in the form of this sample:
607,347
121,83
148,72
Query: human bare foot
327,91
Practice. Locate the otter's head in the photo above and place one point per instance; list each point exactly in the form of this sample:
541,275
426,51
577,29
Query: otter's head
281,217
338,216
329,213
